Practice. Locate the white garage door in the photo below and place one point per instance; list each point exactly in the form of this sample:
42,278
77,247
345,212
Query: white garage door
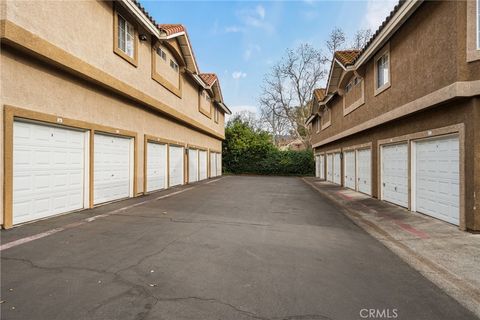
219,164
203,165
317,166
337,175
48,171
175,165
364,171
321,168
113,168
395,174
192,165
437,176
213,165
156,166
330,167
349,169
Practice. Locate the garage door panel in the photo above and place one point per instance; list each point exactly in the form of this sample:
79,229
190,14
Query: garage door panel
437,175
213,165
192,165
395,174
112,168
203,165
176,164
364,158
337,174
156,166
349,165
48,170
330,167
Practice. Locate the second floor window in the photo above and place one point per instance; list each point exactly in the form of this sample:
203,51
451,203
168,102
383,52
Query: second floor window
383,72
126,36
174,65
318,124
162,54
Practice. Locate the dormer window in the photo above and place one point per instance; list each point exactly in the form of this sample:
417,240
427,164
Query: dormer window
216,115
162,54
165,68
174,65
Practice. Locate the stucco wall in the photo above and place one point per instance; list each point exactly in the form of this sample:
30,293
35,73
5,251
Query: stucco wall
457,112
425,56
85,29
29,84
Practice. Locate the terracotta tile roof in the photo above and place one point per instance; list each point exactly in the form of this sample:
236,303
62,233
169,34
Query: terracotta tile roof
319,94
384,23
145,12
209,78
347,57
171,28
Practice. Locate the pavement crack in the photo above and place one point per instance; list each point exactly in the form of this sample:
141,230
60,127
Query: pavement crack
212,300
159,252
55,268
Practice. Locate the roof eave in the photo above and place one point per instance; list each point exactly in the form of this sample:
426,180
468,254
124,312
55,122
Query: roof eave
403,13
188,53
141,17
224,107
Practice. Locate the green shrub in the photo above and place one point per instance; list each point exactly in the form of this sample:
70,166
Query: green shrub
250,151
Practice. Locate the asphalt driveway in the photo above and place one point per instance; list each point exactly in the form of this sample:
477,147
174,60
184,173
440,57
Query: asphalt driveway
236,248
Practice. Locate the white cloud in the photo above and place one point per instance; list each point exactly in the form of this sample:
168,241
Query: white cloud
260,11
251,49
238,75
376,12
234,29
254,17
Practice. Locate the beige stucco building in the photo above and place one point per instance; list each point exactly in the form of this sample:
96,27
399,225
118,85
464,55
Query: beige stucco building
400,119
99,103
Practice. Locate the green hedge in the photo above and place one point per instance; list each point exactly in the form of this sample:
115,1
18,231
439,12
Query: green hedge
248,151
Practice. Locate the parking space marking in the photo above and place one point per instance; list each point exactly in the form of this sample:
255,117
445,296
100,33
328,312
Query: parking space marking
41,235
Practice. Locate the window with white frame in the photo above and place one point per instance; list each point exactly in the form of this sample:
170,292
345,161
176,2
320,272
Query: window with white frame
162,54
317,124
351,84
383,72
126,36
174,65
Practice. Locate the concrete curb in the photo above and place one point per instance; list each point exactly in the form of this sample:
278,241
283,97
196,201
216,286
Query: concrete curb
450,283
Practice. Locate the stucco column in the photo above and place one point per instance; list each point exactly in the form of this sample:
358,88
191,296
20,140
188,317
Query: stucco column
476,165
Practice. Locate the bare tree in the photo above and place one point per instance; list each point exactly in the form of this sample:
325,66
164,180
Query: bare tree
271,118
361,38
249,118
288,88
335,40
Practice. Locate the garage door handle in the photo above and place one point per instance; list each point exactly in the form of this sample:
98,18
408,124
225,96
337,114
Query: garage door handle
384,184
395,188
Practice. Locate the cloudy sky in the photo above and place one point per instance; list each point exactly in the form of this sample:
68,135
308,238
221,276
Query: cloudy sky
241,40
